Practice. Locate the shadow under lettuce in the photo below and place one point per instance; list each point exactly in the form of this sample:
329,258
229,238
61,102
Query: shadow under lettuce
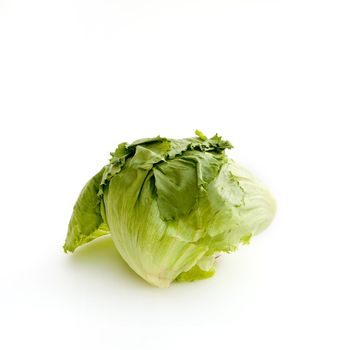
102,256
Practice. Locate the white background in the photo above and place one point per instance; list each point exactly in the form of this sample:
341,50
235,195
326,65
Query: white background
78,77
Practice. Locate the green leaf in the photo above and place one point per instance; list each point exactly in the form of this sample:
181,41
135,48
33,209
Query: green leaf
86,222
177,190
196,273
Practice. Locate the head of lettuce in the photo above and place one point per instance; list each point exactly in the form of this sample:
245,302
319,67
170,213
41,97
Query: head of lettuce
171,206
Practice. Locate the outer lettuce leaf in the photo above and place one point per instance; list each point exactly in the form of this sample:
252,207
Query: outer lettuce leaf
203,269
86,222
176,186
196,273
